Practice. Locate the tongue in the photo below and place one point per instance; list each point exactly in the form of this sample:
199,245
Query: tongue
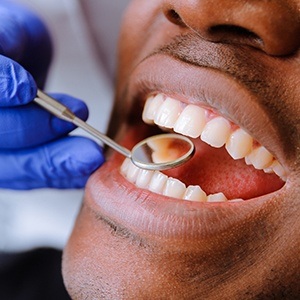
215,171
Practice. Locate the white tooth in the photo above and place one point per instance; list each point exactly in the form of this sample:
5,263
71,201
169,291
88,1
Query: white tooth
216,132
236,200
168,113
125,166
247,160
260,158
151,108
157,182
132,172
147,115
143,178
195,193
239,144
278,169
269,170
219,197
191,121
174,188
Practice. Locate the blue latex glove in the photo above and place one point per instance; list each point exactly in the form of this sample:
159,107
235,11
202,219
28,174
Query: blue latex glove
35,150
25,39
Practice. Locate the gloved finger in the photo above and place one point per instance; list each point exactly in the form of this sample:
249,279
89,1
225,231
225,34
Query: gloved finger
25,39
17,87
65,163
30,125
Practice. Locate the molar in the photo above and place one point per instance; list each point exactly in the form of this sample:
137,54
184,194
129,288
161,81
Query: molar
260,158
218,197
276,168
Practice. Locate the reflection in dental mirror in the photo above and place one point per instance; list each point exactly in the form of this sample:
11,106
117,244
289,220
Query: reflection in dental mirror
161,152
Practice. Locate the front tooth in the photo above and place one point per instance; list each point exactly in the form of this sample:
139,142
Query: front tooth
219,197
144,178
239,144
151,108
157,182
216,132
191,121
168,113
174,188
260,158
195,193
132,172
125,166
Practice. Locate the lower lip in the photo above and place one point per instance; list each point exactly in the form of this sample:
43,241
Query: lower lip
141,212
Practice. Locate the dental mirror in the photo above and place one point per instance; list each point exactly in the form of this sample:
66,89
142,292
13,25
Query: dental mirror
159,152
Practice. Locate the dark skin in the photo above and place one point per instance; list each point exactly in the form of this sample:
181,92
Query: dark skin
130,243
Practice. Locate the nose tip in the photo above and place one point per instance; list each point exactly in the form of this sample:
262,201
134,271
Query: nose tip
271,26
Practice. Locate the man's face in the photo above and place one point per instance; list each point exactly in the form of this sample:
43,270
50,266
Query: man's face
225,225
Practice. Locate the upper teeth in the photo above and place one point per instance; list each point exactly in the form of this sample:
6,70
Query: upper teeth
194,121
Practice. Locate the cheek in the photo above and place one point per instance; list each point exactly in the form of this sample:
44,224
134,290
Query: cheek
144,29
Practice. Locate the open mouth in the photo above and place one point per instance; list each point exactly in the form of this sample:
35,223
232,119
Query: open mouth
229,164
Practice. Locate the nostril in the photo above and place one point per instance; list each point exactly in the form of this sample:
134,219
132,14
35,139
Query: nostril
235,33
233,30
270,26
174,17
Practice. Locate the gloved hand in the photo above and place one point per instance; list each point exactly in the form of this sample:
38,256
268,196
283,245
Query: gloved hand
35,150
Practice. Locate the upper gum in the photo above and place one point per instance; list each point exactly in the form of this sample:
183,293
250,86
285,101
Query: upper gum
209,113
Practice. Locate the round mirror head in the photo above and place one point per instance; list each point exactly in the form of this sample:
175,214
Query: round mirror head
161,152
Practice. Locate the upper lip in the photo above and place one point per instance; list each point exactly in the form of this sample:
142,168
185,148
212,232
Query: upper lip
210,87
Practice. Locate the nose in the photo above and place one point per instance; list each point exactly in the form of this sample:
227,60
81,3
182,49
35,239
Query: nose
271,26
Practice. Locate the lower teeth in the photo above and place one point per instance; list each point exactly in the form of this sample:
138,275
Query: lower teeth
161,184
